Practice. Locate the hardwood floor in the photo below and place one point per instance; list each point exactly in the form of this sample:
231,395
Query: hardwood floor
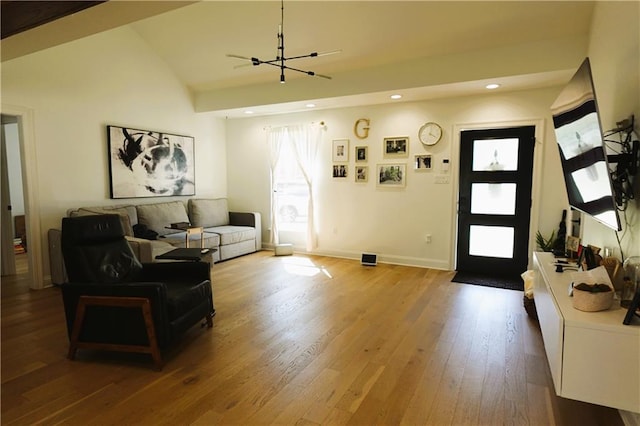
300,340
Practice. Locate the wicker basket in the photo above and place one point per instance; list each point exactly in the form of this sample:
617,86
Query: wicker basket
530,307
592,302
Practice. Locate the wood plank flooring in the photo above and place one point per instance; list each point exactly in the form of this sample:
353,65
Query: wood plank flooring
299,340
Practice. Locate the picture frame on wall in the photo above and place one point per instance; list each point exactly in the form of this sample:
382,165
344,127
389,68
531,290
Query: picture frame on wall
146,163
340,171
396,147
392,175
341,150
361,174
422,163
362,154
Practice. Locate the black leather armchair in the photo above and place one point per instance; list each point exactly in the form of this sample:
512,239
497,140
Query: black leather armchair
114,302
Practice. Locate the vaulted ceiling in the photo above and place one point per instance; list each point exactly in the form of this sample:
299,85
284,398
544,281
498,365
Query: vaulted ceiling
424,49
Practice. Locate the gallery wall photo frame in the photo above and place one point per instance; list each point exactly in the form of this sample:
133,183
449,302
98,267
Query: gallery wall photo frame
147,163
391,175
396,147
340,150
362,174
422,162
362,154
340,171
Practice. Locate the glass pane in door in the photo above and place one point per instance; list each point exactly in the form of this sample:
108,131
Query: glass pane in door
491,241
493,198
495,155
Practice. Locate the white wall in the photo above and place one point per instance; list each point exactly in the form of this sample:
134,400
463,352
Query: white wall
353,218
614,51
78,88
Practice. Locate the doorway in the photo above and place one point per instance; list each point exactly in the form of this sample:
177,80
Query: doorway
13,214
26,135
494,205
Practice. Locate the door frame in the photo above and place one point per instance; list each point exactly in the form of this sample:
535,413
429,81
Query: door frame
26,134
535,178
6,216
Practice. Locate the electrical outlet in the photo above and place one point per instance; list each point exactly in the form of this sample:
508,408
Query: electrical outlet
442,179
427,238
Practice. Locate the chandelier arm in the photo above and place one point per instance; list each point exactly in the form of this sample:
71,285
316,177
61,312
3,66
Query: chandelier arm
281,59
311,73
310,55
272,62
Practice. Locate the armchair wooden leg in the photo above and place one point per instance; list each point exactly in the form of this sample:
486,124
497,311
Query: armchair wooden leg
129,302
75,332
209,319
151,332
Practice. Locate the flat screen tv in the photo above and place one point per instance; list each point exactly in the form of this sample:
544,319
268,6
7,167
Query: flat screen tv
582,152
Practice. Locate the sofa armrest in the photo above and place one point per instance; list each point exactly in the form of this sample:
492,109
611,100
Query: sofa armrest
141,248
252,219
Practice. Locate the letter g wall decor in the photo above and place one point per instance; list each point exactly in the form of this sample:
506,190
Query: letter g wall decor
361,128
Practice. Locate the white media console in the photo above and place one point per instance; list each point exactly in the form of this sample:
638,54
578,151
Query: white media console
593,357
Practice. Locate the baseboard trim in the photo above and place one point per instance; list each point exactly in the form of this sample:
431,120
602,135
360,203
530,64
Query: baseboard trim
439,264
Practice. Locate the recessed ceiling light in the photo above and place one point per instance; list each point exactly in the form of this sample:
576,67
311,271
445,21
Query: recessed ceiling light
248,111
396,96
310,105
492,86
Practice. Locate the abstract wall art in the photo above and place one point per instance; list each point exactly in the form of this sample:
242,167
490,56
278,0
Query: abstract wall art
144,163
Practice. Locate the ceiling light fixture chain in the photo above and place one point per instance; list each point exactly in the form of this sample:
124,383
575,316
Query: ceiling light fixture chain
281,60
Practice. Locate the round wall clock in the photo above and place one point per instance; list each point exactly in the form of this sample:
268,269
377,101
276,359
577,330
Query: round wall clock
430,133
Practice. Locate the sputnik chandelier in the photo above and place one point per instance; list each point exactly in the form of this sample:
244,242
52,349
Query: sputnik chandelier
281,60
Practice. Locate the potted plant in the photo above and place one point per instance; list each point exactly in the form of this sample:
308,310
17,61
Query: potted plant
546,244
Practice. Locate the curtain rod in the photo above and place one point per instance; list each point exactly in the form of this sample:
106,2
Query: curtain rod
321,123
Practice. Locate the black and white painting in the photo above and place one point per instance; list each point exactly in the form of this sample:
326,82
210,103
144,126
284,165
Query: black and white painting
339,171
340,150
396,147
145,163
392,175
422,162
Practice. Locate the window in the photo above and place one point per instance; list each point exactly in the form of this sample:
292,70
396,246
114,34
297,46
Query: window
291,193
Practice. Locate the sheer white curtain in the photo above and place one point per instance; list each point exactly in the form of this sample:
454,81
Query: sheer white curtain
275,137
306,140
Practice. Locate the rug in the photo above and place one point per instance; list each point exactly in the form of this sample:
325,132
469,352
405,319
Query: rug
509,283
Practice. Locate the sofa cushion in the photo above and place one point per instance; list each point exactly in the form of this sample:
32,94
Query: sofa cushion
123,212
159,216
208,212
211,240
233,234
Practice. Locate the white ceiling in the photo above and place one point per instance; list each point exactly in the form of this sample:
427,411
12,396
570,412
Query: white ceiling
422,49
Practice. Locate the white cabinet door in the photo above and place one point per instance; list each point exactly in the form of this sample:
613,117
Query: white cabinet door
551,324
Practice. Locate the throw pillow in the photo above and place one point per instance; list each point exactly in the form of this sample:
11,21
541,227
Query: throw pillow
159,216
209,212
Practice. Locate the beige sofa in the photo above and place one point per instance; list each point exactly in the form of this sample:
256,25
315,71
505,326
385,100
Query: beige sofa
232,234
